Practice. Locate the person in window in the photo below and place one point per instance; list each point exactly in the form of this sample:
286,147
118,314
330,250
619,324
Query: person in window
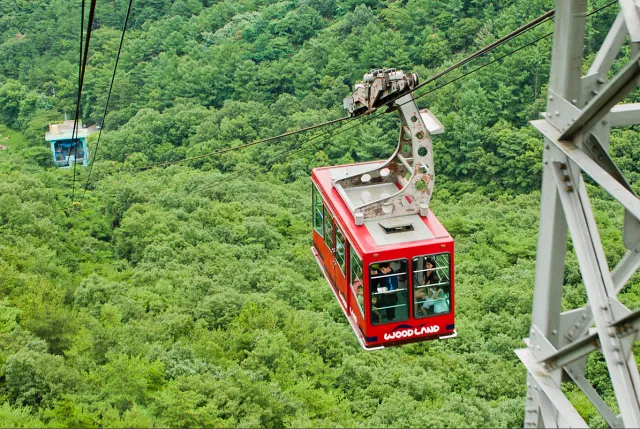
375,313
389,281
440,305
426,299
386,283
328,234
430,276
360,295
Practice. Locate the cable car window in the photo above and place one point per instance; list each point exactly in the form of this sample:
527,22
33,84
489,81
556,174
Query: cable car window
355,278
431,285
340,256
388,285
317,211
328,229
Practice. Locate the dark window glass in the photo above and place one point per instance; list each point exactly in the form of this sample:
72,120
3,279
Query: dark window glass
431,285
328,229
340,249
355,278
317,211
388,286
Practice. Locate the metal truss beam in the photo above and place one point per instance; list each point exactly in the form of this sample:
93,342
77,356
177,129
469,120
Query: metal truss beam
592,168
628,325
624,115
609,96
631,12
576,126
626,268
543,383
564,80
599,285
586,387
610,47
573,351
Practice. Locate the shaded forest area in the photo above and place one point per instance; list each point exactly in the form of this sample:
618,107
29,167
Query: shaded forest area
187,296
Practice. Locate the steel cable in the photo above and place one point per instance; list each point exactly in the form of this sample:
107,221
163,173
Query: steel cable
106,105
74,144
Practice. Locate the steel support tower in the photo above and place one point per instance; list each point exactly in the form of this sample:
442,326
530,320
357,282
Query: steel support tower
576,127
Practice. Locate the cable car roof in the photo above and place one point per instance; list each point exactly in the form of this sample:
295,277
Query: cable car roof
376,234
66,135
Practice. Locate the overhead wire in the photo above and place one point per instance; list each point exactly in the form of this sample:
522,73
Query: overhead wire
601,8
92,9
516,33
529,26
482,66
242,146
287,151
298,147
376,115
106,105
280,153
526,27
75,115
301,146
290,150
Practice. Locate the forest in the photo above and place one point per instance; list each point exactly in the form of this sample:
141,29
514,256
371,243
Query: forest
185,295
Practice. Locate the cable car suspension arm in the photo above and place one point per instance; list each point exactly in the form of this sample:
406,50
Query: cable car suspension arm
409,169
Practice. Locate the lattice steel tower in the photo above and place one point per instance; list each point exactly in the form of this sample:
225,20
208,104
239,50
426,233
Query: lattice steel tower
580,113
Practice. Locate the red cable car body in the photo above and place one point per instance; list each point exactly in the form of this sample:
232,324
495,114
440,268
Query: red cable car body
387,258
359,245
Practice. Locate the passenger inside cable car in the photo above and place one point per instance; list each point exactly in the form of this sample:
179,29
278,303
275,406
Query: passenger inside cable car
388,286
64,155
431,285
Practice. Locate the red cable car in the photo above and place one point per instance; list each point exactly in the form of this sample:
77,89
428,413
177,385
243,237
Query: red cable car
386,256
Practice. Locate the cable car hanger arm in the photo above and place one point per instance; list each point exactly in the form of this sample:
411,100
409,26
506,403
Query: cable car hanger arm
407,176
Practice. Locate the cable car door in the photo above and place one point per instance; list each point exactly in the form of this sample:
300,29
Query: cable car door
340,265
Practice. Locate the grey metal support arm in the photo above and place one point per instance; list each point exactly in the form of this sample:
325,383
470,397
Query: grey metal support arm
576,127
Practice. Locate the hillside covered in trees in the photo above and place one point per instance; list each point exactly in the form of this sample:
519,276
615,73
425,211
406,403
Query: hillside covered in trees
186,296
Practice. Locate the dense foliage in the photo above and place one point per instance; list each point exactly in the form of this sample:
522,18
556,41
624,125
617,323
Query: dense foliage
187,296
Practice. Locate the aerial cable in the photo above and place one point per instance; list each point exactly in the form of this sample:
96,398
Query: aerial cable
287,151
530,25
301,145
80,60
284,154
374,116
483,66
526,27
73,132
602,7
242,146
540,20
106,105
83,66
92,10
516,33
304,142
